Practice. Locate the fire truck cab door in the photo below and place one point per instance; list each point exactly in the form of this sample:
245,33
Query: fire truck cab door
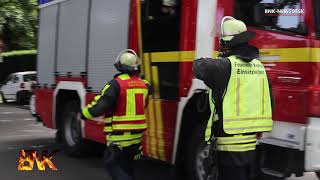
312,146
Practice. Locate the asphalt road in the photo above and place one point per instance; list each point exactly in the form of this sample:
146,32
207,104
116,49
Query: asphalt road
19,130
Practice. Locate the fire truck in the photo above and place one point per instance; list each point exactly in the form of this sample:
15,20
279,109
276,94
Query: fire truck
79,41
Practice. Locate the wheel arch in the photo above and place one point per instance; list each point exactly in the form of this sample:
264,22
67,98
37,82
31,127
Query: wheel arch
64,92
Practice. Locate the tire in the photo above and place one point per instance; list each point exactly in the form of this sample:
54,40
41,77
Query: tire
318,175
20,98
73,143
196,153
3,98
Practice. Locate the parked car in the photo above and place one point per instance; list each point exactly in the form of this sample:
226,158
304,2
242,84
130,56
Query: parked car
17,86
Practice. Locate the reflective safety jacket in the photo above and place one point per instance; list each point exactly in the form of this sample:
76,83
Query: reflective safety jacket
126,97
129,114
246,106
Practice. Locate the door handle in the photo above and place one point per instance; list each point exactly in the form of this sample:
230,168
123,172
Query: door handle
289,79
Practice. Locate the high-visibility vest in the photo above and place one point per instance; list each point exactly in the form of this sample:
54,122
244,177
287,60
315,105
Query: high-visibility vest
246,106
129,115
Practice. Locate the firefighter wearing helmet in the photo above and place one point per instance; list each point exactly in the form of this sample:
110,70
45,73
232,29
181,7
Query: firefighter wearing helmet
240,101
122,103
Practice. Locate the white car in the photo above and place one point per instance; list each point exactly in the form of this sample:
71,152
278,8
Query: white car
17,86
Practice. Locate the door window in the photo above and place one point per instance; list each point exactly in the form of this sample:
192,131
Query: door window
274,15
16,79
29,77
161,33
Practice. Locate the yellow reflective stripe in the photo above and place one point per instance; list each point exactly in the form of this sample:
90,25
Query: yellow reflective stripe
238,97
96,98
145,81
208,132
146,63
107,129
237,147
104,89
129,143
165,56
131,100
262,96
126,136
131,103
86,113
251,127
305,54
246,119
160,130
129,126
129,118
94,102
152,131
124,77
237,139
125,143
155,82
108,120
212,106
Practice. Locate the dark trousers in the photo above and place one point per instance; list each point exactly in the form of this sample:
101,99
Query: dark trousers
237,165
235,173
123,168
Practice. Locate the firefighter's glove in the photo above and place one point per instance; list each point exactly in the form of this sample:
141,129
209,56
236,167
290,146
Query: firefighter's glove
112,154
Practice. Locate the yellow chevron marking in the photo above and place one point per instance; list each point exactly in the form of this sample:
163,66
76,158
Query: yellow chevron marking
147,133
152,130
160,131
147,67
155,82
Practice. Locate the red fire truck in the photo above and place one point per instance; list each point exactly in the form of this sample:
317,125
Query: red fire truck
79,41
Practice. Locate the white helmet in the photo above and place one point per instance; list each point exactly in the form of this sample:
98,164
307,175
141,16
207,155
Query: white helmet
127,57
231,27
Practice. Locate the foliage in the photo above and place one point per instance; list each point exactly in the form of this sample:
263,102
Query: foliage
19,53
18,24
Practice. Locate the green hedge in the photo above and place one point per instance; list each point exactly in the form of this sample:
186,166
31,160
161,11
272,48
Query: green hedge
17,61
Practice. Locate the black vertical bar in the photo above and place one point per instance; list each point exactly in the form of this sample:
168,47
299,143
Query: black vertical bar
57,40
88,42
38,44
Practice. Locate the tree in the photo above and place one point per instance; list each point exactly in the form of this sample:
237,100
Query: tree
18,24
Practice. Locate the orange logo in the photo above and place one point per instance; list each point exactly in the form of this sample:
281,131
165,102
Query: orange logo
27,158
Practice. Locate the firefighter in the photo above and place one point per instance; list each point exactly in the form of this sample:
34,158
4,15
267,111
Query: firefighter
122,102
239,98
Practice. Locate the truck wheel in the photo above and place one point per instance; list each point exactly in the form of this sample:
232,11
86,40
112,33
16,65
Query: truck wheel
20,98
71,130
197,153
3,98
